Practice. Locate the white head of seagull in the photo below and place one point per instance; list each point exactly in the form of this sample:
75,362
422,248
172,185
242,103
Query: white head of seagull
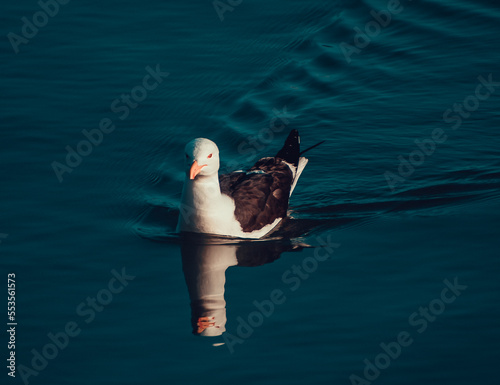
202,158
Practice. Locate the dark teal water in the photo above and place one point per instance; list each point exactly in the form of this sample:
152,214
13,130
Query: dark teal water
410,91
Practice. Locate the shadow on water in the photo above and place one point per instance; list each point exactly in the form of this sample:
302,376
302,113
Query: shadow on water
205,260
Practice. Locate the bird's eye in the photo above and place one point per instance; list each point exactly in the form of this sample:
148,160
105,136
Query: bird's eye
187,156
209,156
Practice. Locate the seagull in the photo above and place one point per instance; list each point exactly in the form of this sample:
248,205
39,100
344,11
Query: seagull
240,204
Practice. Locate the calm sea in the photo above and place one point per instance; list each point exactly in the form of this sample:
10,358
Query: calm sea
390,274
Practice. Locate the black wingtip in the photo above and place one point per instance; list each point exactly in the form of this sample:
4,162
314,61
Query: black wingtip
291,149
310,148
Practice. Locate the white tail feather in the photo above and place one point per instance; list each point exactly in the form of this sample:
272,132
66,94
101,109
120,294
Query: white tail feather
302,164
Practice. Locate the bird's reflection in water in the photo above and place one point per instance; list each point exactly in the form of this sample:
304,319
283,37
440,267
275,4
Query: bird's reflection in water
205,261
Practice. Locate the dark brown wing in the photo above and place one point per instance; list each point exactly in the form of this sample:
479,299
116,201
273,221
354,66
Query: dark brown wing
261,195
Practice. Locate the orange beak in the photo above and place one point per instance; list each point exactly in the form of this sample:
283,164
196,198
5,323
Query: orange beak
195,169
